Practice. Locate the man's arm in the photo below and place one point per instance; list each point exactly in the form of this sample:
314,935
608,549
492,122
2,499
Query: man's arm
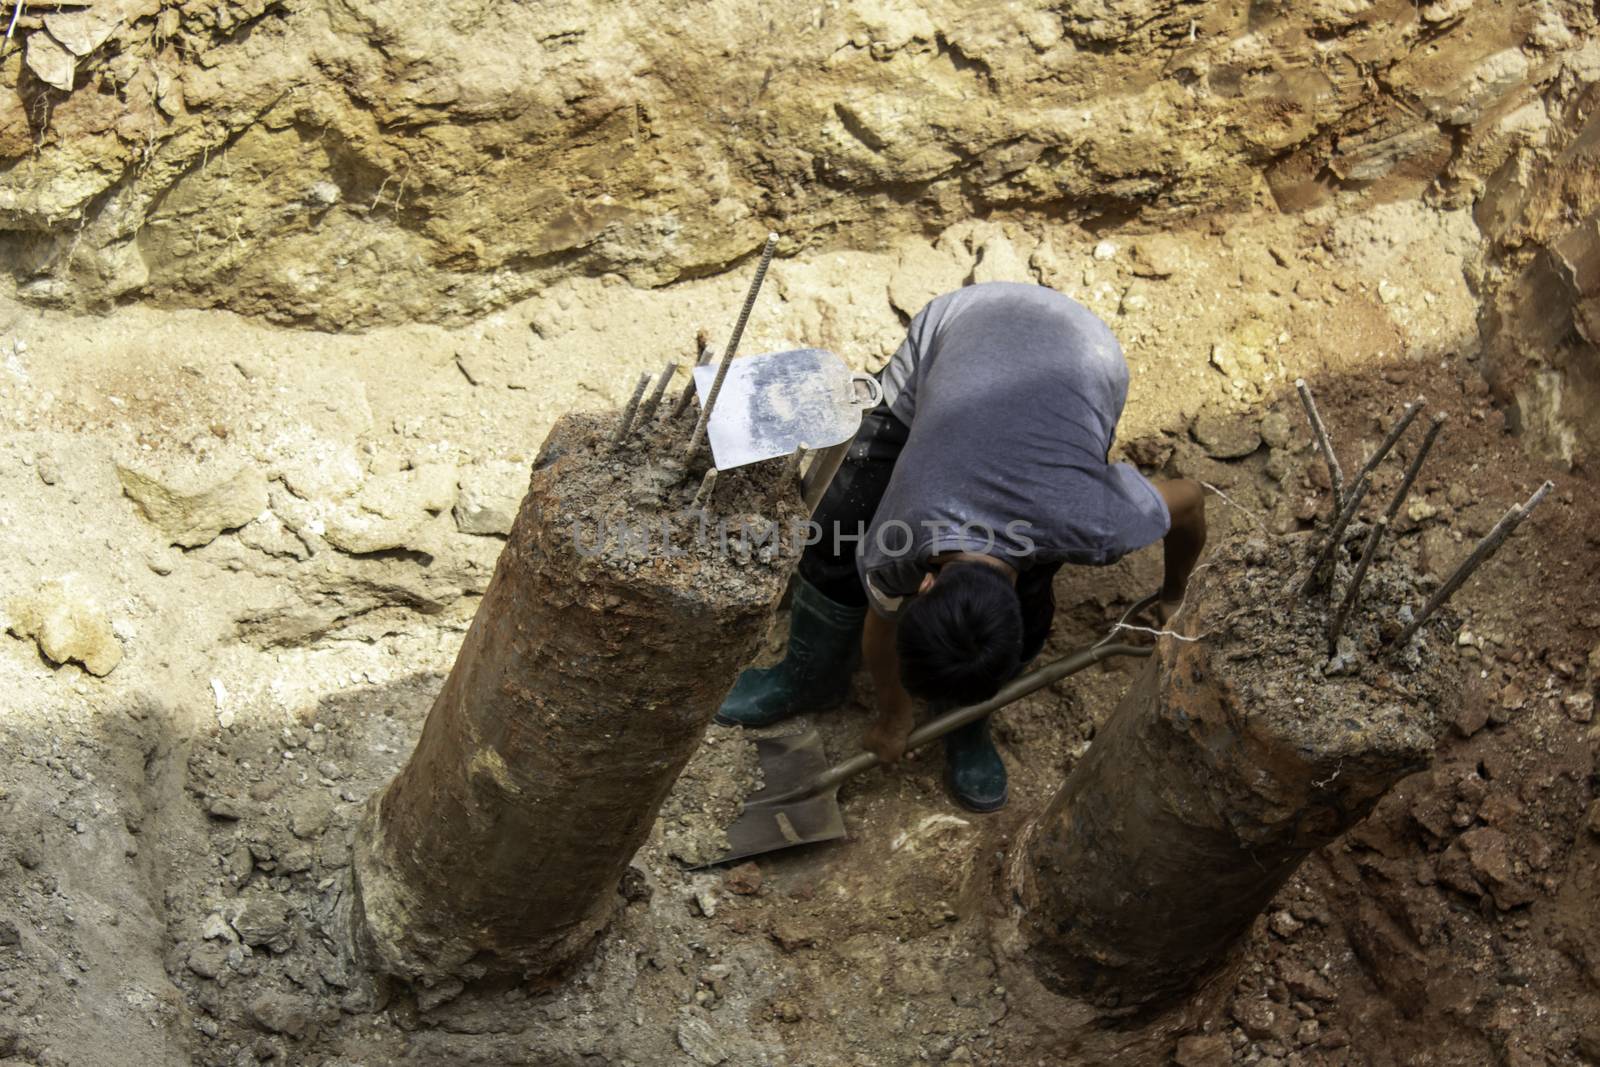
1186,503
887,736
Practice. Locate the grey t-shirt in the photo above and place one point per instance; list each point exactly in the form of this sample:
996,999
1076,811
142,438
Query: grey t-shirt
1012,393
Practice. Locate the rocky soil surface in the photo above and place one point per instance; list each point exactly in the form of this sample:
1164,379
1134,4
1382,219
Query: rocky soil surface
237,559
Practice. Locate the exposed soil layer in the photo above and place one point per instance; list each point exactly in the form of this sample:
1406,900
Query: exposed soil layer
274,677
352,163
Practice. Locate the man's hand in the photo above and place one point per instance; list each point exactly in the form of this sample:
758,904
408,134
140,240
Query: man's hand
887,737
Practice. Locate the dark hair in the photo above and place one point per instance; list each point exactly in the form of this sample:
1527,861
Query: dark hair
961,640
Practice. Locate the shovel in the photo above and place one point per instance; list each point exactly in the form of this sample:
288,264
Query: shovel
771,404
799,802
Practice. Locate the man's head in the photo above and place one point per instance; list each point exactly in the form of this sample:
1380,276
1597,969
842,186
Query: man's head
960,639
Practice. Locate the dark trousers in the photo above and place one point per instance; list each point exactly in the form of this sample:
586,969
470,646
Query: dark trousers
845,513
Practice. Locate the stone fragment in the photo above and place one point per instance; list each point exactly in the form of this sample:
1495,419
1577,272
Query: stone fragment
745,879
270,535
263,919
1284,925
216,928
333,852
208,958
635,885
790,936
329,470
1499,808
67,626
924,272
361,533
282,1013
226,808
1134,298
1276,429
50,63
295,860
1471,715
191,508
310,815
1419,509
1156,256
1591,821
1488,852
700,1040
80,32
1580,706
239,864
1304,982
488,496
1445,10
10,936
1241,364
1225,435
999,261
1105,250
1262,1019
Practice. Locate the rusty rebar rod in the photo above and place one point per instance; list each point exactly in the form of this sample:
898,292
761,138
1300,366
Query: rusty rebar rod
1351,594
1415,468
703,495
626,422
648,412
688,390
1335,536
1487,547
698,437
1335,472
786,477
1407,416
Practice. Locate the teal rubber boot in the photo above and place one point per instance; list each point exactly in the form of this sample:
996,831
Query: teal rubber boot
973,770
814,675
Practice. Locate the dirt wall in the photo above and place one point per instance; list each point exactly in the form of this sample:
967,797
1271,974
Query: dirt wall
347,163
1541,272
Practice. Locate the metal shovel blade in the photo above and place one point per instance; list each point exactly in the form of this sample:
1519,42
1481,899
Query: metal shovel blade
798,802
771,404
774,817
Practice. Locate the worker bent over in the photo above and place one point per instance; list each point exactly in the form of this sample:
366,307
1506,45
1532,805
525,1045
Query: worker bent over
983,471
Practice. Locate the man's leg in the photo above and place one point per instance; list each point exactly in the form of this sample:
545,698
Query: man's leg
974,772
829,603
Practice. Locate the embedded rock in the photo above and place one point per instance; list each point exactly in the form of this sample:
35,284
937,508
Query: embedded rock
68,626
192,506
